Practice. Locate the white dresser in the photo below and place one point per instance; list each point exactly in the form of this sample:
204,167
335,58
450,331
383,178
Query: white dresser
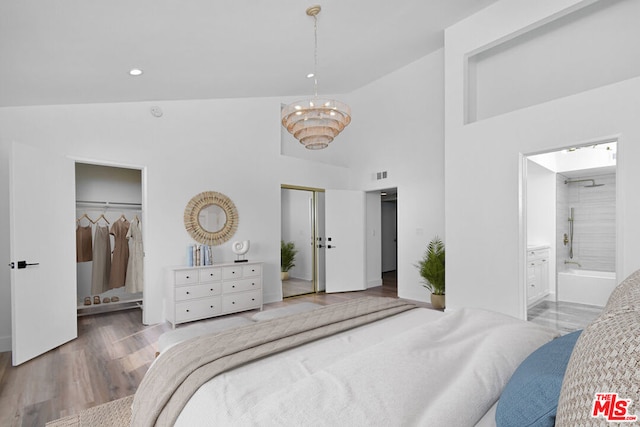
194,293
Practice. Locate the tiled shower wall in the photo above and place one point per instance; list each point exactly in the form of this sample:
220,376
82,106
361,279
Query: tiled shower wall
594,226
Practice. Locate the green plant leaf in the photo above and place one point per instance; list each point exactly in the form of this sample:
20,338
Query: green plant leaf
288,253
432,267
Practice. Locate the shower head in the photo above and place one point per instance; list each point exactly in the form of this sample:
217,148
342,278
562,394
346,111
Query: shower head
593,182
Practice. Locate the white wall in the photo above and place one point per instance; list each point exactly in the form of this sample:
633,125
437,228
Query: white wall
541,205
5,253
195,146
402,133
541,213
561,58
485,255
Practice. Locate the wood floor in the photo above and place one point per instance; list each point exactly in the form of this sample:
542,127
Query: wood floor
107,361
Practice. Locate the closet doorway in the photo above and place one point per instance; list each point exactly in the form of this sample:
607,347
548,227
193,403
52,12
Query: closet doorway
302,227
109,213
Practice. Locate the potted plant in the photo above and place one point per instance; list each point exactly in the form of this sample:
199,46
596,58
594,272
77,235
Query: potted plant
431,269
288,253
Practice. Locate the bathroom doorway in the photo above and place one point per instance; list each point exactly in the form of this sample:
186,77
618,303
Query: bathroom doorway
569,206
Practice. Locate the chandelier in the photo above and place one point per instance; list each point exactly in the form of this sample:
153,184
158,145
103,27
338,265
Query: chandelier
316,122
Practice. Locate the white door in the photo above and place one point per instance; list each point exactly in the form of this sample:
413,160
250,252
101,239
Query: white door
345,240
42,230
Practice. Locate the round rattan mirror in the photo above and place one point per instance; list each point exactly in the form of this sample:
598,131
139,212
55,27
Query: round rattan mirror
211,218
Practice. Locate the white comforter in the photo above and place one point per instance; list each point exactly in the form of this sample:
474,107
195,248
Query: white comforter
421,367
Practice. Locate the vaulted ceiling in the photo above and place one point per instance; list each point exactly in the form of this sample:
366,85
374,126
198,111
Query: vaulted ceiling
81,51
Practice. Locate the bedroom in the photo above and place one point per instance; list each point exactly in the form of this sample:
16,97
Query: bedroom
482,238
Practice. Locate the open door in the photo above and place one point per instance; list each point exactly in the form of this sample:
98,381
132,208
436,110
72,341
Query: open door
42,250
345,240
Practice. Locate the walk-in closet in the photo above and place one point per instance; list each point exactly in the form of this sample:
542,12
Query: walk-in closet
109,246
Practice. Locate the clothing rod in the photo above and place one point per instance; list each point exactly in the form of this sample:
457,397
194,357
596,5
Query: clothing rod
107,204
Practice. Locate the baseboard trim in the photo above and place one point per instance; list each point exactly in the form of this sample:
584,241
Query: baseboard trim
374,283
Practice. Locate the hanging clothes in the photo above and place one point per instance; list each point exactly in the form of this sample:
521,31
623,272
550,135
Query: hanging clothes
120,257
83,243
101,260
134,280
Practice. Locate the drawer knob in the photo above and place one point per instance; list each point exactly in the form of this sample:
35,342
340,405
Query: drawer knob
211,306
211,290
187,310
233,302
187,277
211,274
233,286
187,292
253,284
253,299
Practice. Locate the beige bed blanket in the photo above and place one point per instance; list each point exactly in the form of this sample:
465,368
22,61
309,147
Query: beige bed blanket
182,369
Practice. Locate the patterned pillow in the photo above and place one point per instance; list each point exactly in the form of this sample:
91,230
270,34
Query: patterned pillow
606,360
626,296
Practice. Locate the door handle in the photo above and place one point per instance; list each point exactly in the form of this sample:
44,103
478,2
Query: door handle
320,246
331,246
22,264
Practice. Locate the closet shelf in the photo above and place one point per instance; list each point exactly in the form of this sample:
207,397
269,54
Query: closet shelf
99,204
127,301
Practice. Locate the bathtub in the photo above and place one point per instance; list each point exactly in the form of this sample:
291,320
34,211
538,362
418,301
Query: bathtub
585,286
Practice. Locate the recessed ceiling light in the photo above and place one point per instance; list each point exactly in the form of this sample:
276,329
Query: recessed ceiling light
310,75
135,72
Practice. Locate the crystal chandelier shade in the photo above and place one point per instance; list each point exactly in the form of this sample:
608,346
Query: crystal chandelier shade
316,122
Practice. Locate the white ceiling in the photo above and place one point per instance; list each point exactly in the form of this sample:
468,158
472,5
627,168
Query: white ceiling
80,51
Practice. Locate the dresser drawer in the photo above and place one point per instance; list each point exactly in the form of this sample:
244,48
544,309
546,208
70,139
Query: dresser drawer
251,270
210,275
241,301
186,277
232,272
536,254
197,291
197,309
241,285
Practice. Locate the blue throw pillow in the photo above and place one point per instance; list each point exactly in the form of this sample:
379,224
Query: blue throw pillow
530,398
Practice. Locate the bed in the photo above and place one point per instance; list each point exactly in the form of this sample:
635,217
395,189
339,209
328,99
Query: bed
370,361
382,361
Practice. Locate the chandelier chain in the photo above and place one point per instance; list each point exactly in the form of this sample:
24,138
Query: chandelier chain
315,56
315,122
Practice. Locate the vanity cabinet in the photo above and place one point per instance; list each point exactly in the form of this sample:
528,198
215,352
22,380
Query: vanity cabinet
194,293
537,274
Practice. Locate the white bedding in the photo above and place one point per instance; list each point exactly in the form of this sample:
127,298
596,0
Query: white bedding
420,367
